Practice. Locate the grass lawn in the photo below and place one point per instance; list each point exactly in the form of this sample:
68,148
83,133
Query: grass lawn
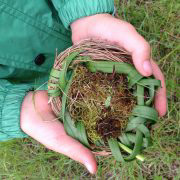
158,21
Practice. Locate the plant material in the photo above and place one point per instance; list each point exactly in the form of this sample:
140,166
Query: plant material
102,100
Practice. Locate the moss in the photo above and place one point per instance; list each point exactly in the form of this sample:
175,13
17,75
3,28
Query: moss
87,102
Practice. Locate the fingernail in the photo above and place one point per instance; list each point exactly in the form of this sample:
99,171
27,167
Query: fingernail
147,67
89,167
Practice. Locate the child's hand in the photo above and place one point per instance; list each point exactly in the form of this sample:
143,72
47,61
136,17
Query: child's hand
40,123
105,26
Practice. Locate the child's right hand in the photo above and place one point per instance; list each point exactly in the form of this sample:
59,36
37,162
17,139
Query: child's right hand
39,122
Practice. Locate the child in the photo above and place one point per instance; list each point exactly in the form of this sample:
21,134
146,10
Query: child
29,34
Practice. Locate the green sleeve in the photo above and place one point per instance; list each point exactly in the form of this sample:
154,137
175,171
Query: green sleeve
70,10
11,97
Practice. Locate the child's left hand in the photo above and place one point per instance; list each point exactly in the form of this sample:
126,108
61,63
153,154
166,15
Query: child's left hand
106,27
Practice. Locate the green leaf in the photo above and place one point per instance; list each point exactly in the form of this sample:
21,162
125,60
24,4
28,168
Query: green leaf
145,112
120,67
114,146
53,85
148,82
126,149
55,73
54,92
146,133
134,123
125,140
137,146
132,138
67,61
99,143
69,126
134,77
108,67
151,94
82,134
108,101
64,97
140,95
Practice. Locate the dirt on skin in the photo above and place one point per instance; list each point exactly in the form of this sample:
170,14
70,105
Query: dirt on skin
102,101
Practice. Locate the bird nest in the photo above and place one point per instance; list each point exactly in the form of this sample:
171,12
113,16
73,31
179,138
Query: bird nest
102,100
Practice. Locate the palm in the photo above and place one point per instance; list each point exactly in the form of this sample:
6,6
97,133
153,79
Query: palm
39,122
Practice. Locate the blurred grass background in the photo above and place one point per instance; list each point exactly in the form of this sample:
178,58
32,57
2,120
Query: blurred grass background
158,21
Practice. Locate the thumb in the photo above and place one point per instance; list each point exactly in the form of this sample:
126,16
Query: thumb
76,151
141,57
128,38
139,48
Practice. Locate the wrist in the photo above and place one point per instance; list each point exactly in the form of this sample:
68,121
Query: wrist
83,22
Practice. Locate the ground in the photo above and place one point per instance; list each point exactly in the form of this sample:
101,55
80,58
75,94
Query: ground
158,22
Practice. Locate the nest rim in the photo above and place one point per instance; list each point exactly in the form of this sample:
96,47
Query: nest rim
93,49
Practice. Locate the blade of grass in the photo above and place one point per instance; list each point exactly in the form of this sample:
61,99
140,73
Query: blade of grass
113,144
128,150
137,146
82,133
63,72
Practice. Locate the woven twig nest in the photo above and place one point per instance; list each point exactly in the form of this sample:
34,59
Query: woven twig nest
102,100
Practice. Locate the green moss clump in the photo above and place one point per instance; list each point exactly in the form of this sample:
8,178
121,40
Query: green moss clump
102,101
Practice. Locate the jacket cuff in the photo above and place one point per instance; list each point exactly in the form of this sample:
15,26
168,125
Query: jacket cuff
10,108
75,9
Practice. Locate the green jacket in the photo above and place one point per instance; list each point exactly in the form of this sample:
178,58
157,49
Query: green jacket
30,32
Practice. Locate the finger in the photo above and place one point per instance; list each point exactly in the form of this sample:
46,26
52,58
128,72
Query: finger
53,136
160,98
76,151
139,48
64,144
